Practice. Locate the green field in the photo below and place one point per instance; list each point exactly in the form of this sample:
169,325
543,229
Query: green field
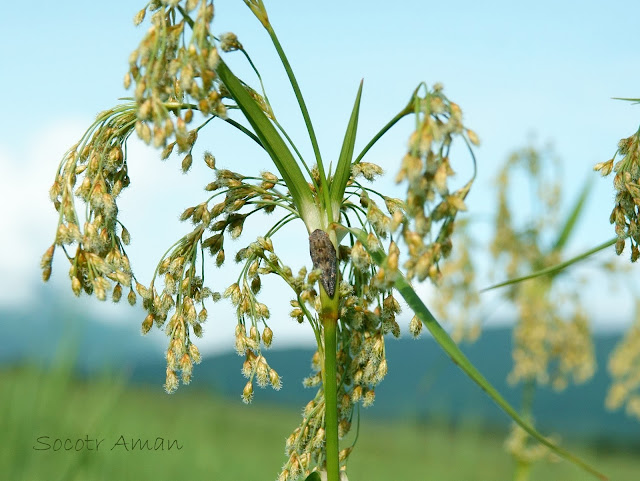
224,440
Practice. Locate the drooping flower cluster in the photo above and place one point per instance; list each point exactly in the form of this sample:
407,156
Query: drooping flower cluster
95,172
174,79
100,263
430,205
626,182
259,260
182,269
174,72
457,300
624,366
547,347
526,451
552,344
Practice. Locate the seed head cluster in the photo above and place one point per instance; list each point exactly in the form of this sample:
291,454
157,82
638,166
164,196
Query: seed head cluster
552,343
430,205
94,172
626,182
172,75
624,366
175,298
457,300
234,198
525,450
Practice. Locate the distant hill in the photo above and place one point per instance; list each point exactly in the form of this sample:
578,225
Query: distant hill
422,384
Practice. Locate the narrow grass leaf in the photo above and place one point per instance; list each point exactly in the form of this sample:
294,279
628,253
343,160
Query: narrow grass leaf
272,142
572,219
635,101
343,169
554,269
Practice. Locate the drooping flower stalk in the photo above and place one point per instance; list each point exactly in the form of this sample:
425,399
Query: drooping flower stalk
552,341
348,296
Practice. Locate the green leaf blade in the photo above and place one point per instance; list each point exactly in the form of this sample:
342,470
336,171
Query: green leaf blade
554,270
274,145
635,101
572,219
343,169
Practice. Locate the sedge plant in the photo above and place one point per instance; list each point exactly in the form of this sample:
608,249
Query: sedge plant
624,363
536,343
366,247
552,339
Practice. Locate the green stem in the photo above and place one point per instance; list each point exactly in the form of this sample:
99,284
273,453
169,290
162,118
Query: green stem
274,119
404,112
298,93
244,130
528,393
331,399
554,269
522,470
176,106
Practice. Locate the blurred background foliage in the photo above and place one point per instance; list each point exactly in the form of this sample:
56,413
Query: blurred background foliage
428,422
225,440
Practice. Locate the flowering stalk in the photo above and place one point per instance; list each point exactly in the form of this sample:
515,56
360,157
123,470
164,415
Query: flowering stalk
355,232
625,360
524,457
627,185
329,324
552,343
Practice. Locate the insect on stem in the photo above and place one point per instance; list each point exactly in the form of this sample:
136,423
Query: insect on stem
323,255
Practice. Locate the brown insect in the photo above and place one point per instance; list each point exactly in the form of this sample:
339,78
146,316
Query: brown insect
323,255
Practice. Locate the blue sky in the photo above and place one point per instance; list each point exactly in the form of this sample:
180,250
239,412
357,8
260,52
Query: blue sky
519,70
